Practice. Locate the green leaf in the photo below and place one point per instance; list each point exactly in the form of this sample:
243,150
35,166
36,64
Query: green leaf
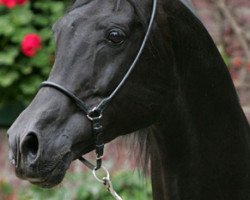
17,36
46,34
26,70
57,7
40,60
224,55
50,6
5,188
2,9
7,78
6,27
21,15
7,57
41,20
51,47
31,84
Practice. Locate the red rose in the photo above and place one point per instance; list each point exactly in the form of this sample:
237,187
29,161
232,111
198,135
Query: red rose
9,3
21,2
30,44
12,3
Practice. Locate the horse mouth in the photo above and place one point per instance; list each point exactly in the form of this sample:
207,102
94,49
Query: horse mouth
47,178
54,178
55,175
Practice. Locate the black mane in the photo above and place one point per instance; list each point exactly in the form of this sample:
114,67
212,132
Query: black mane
206,136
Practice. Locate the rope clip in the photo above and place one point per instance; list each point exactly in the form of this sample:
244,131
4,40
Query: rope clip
107,183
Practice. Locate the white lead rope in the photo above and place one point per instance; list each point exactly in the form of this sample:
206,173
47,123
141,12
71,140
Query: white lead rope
107,183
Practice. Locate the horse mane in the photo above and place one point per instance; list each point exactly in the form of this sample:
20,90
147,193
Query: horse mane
139,145
141,141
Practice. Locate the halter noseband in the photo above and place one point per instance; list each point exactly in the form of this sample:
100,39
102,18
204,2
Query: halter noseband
95,114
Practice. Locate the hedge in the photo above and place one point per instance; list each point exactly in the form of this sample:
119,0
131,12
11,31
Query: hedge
26,46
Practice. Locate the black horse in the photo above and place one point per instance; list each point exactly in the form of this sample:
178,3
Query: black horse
180,89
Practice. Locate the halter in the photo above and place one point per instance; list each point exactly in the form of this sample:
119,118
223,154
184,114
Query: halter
94,114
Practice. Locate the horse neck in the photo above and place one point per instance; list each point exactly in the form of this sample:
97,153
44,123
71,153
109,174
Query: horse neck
201,150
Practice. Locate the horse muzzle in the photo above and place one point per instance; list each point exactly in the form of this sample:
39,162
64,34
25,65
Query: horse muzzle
45,173
37,164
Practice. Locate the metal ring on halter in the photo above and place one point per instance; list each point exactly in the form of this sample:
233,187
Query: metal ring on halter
94,114
99,157
97,178
94,118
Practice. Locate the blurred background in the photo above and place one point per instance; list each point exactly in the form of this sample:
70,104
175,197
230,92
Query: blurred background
27,54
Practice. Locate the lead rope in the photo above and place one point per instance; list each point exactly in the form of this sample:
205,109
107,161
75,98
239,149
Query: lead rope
106,181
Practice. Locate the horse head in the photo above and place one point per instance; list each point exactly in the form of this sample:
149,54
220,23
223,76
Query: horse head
180,86
96,43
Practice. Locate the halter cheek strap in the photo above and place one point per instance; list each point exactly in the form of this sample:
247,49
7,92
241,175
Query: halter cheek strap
95,114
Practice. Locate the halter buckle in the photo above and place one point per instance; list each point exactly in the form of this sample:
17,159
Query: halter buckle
94,114
99,157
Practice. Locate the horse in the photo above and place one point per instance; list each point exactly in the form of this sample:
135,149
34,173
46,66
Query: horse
194,136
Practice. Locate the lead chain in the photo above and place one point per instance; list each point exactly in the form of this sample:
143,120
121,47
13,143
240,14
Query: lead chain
107,183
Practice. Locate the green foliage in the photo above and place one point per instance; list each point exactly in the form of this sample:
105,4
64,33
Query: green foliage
83,186
224,55
5,190
20,76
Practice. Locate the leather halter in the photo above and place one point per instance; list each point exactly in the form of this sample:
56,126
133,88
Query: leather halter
95,114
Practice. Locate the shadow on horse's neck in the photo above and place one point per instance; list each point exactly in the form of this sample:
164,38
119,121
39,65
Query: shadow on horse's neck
200,149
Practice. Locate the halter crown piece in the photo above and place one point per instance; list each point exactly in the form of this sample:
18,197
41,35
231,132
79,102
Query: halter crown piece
95,114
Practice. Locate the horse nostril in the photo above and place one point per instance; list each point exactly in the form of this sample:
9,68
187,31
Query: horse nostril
29,147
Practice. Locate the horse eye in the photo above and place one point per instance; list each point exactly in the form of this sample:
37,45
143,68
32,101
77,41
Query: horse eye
116,36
